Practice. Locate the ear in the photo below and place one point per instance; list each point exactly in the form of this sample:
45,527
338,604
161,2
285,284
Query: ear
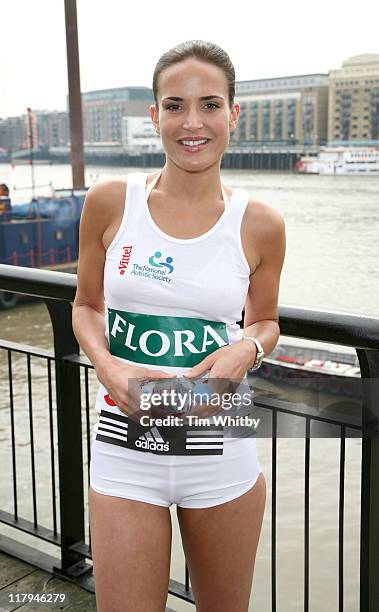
154,117
234,115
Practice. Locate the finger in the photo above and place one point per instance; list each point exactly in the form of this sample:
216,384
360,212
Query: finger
199,368
149,374
113,399
135,410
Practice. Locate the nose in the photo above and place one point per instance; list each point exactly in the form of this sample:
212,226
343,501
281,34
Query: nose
193,119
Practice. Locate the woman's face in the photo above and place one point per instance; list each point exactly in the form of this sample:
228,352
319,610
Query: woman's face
194,118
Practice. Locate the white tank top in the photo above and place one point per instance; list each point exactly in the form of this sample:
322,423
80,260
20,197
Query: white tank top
170,302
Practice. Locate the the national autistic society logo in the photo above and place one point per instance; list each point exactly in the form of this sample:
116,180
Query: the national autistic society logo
159,269
158,264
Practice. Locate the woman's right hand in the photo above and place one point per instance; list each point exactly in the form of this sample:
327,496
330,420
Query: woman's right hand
124,385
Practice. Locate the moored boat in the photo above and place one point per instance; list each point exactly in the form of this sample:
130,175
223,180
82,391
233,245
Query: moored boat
341,161
323,369
41,233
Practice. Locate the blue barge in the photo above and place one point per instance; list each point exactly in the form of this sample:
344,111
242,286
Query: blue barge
42,233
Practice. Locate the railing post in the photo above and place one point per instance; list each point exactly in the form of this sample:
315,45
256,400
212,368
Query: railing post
369,562
69,438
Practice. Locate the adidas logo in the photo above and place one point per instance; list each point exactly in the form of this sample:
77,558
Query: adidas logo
152,440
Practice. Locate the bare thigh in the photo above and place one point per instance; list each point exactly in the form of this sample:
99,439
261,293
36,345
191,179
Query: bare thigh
131,549
220,544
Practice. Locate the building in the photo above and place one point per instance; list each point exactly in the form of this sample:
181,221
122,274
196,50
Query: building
284,110
49,129
341,107
104,109
56,128
354,101
138,134
12,133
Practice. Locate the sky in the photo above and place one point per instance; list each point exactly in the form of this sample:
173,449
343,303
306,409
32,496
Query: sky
120,41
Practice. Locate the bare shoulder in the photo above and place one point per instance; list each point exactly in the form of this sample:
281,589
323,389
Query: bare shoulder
263,220
103,209
105,195
103,200
262,233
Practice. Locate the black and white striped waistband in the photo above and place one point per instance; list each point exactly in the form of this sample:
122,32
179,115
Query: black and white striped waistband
113,428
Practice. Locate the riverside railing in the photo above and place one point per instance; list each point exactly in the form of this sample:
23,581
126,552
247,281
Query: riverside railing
68,443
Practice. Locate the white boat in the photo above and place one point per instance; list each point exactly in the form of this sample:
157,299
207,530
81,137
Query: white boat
342,161
308,365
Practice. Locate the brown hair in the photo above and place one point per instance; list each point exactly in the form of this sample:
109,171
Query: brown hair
200,50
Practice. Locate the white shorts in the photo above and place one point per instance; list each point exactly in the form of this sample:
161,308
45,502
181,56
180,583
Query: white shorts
190,481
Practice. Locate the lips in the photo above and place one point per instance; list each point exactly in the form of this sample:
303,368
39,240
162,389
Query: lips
194,143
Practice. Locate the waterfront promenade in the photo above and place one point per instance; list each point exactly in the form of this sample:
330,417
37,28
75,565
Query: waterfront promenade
17,576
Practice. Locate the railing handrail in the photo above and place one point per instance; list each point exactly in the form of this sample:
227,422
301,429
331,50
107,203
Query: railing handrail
344,329
39,283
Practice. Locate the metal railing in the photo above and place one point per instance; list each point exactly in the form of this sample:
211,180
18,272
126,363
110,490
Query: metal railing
69,442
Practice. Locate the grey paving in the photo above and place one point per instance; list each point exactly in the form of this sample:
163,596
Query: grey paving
20,577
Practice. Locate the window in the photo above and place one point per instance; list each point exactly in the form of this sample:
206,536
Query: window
24,238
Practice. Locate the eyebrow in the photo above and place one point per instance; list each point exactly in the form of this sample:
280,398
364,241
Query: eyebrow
177,99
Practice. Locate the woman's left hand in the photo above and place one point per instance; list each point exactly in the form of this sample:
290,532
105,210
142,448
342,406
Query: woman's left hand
229,362
227,367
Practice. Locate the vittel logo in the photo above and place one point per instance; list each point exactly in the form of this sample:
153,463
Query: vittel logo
124,261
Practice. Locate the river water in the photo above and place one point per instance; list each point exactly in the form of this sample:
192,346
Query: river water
331,264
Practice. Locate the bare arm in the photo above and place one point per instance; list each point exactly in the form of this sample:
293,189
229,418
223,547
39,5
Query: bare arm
88,309
261,309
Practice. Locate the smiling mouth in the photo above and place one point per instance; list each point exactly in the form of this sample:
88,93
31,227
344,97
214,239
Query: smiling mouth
194,143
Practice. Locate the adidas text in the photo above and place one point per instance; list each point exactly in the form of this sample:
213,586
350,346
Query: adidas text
152,445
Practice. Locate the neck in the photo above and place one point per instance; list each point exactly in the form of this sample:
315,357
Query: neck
192,187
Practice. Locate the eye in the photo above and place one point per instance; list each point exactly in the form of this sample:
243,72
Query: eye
172,107
212,105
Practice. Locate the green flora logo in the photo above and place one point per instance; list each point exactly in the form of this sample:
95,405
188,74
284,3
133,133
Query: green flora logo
163,340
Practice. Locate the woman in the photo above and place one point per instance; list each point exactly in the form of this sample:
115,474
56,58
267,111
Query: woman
176,256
